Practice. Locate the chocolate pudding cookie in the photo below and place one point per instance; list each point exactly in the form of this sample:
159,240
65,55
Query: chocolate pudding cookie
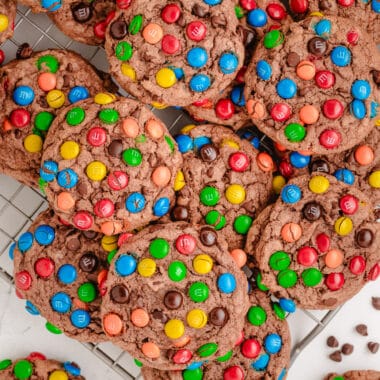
61,272
176,53
261,352
32,91
36,366
355,375
310,86
319,244
112,168
225,181
7,17
175,296
84,21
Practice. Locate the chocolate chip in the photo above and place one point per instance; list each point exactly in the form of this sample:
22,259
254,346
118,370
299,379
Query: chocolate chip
180,213
119,294
362,329
89,234
24,51
312,211
18,134
292,59
373,347
173,300
332,341
181,21
319,166
73,244
88,262
208,236
208,153
219,316
159,315
317,46
119,29
364,238
81,188
336,356
377,213
347,349
115,149
376,76
199,11
218,21
324,5
82,12
376,303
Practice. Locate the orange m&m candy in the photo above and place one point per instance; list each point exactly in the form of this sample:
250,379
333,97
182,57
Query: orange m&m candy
309,114
47,81
334,258
130,128
306,70
364,155
153,33
161,176
150,350
239,257
291,232
265,162
139,318
112,324
65,201
154,129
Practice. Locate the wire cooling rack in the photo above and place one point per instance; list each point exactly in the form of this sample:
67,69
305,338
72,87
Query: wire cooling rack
19,205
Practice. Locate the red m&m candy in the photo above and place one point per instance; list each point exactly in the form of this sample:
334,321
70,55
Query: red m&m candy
185,244
276,11
104,208
248,5
123,4
82,220
36,356
299,6
23,280
323,242
224,109
117,180
357,265
346,3
171,13
233,373
20,118
374,272
170,44
239,162
96,136
335,281
307,256
349,204
330,138
44,267
250,348
352,37
324,79
196,31
100,30
333,109
182,356
280,112
286,169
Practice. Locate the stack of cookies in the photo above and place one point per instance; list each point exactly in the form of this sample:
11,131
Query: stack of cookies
148,238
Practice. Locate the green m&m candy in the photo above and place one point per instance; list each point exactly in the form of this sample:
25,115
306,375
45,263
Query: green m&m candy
111,255
209,196
87,292
43,120
279,260
170,143
177,271
338,378
53,329
239,12
4,364
109,116
48,63
123,51
138,363
198,292
192,374
242,224
207,349
256,315
135,25
132,157
287,278
23,369
312,277
273,39
279,311
295,132
75,116
216,219
259,283
159,248
226,357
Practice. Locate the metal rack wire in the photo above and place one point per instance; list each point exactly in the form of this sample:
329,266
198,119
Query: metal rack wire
19,204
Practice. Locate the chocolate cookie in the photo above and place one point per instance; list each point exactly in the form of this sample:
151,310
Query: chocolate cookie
319,244
175,54
256,17
43,5
261,352
310,86
175,297
31,93
36,366
226,181
112,168
84,21
355,375
7,17
61,272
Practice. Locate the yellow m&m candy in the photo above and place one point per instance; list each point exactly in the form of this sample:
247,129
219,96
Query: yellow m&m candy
166,78
104,98
55,98
343,226
146,267
203,264
179,181
278,183
374,179
235,194
33,144
128,71
58,375
96,171
174,329
319,184
109,243
187,128
230,143
69,150
196,318
4,23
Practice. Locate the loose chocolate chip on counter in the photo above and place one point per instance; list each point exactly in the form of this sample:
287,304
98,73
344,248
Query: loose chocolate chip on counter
376,303
292,59
332,341
347,349
24,51
317,46
119,29
364,238
373,347
208,236
82,12
336,356
362,329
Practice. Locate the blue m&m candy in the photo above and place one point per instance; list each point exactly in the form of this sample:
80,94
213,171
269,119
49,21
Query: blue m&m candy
197,57
237,96
272,343
298,160
200,83
44,234
340,56
374,109
61,302
261,363
67,178
291,194
135,203
80,319
193,366
282,374
161,207
179,73
287,305
31,309
67,274
345,175
78,93
125,265
184,142
11,251
227,283
264,70
48,171
200,141
361,89
71,368
25,242
228,63
375,6
323,28
23,95
212,2
286,88
257,18
51,5
358,109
